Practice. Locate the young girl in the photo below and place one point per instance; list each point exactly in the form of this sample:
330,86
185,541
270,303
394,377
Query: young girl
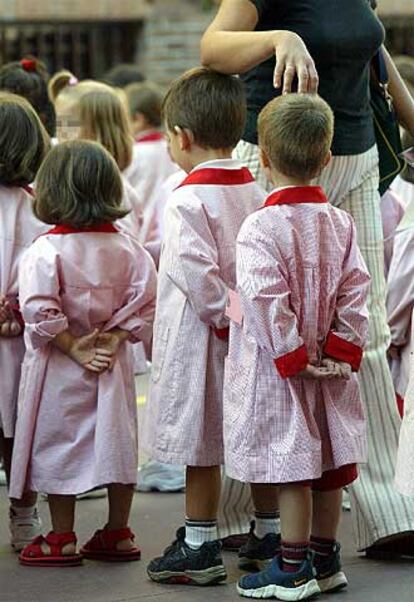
23,144
77,428
29,78
293,416
90,110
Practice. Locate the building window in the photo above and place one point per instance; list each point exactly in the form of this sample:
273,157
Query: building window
87,49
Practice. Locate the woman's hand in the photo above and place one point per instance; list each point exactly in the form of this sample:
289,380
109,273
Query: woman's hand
293,59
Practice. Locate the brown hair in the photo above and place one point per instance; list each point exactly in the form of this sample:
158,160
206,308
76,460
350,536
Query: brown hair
211,105
122,75
23,141
296,131
28,78
147,99
79,185
104,118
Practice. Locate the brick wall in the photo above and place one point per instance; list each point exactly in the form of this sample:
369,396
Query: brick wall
37,10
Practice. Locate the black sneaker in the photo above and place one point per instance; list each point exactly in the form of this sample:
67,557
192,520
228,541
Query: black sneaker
329,574
257,553
183,565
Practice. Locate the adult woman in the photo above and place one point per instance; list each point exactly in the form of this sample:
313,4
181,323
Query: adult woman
332,44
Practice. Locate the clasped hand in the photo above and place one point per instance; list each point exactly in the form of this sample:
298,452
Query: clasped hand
9,325
327,370
96,351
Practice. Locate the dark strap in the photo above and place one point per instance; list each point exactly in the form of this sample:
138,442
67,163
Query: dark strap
380,67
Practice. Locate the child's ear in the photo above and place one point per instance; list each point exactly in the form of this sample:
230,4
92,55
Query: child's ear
328,158
264,159
185,138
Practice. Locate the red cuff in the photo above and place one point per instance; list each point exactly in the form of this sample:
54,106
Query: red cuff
292,363
222,333
344,351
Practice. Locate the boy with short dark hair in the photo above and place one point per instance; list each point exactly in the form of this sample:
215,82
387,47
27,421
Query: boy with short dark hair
293,417
205,115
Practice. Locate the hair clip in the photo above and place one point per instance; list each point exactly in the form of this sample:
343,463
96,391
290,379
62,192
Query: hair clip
29,65
73,81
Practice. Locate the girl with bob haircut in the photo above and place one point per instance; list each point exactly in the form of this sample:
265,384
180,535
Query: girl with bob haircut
91,110
78,426
23,145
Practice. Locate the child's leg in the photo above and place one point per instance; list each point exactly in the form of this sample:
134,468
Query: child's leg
327,509
120,501
203,486
266,506
295,505
195,557
62,514
29,498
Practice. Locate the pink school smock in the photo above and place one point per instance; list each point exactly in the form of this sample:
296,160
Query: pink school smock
18,229
303,286
77,430
184,417
151,165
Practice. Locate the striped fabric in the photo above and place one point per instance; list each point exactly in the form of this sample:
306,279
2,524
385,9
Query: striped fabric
378,510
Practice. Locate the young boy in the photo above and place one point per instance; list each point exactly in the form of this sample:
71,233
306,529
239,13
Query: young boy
293,417
151,163
205,116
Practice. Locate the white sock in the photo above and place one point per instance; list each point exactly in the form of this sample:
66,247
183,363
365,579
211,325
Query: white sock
198,532
266,523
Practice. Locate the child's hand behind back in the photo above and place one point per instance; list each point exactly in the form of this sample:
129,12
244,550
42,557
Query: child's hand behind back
111,342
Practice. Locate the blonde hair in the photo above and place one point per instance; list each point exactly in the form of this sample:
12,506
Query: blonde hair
296,132
102,114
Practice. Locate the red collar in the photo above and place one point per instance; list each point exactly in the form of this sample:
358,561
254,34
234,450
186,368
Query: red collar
150,137
29,190
105,228
218,177
296,195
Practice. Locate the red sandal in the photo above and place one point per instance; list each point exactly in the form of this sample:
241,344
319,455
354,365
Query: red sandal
103,544
33,555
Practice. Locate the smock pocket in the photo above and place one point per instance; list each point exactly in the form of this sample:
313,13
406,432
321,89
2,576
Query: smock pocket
159,352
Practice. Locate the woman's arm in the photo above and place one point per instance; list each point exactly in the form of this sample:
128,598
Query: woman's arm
403,101
231,46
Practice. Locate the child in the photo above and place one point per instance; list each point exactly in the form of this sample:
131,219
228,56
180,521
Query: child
90,110
293,416
23,145
151,163
400,295
77,427
197,267
29,78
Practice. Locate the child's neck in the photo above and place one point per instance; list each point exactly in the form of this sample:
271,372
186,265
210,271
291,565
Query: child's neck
281,181
202,155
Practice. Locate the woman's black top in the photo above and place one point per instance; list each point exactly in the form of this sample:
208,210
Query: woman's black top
342,36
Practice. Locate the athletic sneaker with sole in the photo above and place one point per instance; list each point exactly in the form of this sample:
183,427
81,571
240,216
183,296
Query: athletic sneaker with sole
23,529
181,564
329,573
156,476
256,554
275,583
